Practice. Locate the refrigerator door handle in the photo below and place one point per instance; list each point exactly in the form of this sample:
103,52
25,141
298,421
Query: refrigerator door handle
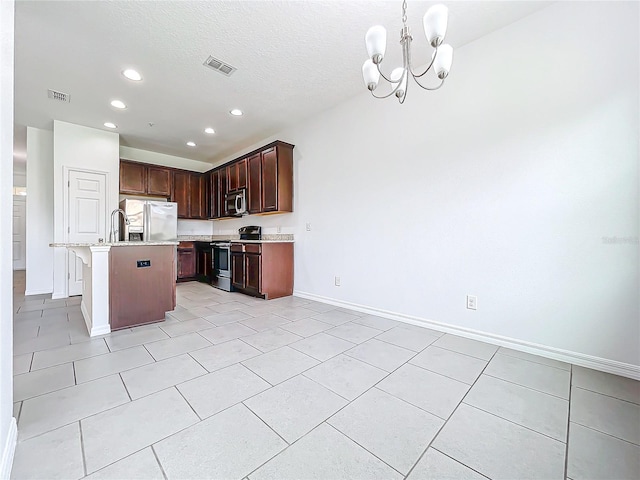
145,222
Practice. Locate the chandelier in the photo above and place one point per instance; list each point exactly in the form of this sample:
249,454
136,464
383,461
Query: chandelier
435,27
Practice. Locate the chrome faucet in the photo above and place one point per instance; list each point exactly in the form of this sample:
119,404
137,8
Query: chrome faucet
114,234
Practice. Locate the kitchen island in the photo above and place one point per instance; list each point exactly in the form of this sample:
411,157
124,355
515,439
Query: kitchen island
125,283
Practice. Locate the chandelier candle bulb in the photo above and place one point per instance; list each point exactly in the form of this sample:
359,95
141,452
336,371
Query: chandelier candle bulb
435,24
370,74
376,41
397,76
443,60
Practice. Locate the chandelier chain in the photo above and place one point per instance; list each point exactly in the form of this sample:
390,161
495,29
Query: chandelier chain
404,13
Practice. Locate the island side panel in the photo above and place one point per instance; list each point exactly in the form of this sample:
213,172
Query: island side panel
141,295
277,270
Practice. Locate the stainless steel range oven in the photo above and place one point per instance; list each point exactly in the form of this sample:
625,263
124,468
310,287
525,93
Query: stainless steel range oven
221,259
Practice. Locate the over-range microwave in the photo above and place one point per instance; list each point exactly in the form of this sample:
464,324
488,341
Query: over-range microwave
236,202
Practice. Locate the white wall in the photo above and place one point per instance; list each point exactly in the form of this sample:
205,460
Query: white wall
503,184
156,158
39,211
84,148
8,432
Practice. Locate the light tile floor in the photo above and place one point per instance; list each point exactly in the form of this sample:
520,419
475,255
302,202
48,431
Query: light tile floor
233,387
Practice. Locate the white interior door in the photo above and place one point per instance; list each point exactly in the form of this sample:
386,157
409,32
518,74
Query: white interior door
19,232
87,218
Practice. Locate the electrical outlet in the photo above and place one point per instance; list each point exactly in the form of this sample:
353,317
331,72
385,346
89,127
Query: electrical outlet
472,302
308,227
337,281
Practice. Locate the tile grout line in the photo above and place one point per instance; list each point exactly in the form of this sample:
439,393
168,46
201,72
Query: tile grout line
512,422
125,387
164,474
449,418
187,401
255,373
458,461
361,446
605,433
31,362
537,362
441,374
82,449
512,383
261,419
608,396
531,388
566,448
289,445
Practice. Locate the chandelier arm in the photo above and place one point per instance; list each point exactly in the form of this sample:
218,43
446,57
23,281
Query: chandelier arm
382,74
388,95
433,58
429,88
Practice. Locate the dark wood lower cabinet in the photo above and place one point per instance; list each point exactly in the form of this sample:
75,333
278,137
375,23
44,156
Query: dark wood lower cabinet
263,270
237,270
253,273
186,261
204,268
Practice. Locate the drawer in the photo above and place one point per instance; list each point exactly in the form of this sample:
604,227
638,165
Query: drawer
185,245
253,248
237,247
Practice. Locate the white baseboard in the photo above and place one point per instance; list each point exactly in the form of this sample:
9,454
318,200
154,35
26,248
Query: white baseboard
36,292
58,295
85,314
597,363
9,450
105,329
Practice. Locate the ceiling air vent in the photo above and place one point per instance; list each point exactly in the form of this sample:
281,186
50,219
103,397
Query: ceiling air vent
59,96
219,66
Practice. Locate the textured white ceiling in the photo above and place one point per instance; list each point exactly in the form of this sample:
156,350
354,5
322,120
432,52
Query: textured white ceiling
294,59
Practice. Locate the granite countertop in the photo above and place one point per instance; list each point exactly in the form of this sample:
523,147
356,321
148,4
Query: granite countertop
116,244
266,238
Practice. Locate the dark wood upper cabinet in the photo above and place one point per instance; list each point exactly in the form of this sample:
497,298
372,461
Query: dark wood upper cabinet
277,178
254,184
197,196
237,173
222,192
159,181
190,192
142,179
214,204
266,173
133,178
270,180
180,193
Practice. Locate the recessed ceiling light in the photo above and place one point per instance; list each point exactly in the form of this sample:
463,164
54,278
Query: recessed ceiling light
191,144
131,74
236,112
118,104
110,125
209,130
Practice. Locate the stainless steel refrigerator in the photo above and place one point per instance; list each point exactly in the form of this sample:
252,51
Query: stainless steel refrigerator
149,221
